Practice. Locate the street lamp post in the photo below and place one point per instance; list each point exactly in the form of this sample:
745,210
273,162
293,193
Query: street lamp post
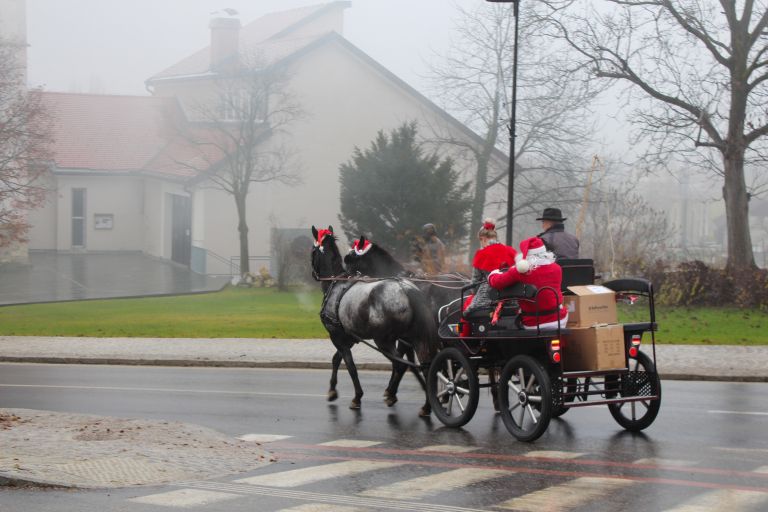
512,122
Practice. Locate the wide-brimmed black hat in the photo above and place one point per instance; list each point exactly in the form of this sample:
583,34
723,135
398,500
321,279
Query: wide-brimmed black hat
553,214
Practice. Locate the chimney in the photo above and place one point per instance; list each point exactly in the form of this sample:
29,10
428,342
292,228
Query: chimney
225,42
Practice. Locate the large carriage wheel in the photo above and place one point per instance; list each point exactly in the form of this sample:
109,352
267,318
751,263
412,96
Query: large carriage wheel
452,387
642,379
525,398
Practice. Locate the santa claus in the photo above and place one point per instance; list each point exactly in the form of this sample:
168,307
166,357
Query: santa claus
535,265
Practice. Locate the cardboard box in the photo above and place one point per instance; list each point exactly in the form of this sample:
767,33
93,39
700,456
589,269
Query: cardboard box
600,347
590,305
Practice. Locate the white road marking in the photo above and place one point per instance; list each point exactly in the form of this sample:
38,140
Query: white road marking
565,496
161,390
655,461
553,454
263,438
351,443
357,501
726,499
449,448
762,469
416,488
303,476
321,507
741,450
184,498
748,413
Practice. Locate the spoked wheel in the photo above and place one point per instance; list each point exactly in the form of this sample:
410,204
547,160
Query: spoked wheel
642,380
452,387
525,398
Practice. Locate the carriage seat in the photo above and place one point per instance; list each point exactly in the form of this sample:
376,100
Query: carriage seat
510,308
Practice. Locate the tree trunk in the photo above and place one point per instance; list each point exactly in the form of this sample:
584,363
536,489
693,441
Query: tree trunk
740,256
242,228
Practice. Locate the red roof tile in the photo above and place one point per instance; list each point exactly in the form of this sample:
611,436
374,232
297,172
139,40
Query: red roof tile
120,133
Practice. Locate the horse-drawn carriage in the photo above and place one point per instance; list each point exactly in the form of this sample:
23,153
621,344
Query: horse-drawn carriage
526,368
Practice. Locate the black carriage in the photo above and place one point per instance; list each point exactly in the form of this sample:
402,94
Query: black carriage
525,368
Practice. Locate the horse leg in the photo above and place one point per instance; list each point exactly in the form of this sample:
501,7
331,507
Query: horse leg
335,362
398,371
352,369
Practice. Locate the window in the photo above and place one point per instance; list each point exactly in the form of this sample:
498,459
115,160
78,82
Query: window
78,217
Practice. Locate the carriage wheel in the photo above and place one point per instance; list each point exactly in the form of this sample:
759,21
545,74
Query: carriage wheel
525,398
452,387
641,380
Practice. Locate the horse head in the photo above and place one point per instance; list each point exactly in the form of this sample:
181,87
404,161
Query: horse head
326,259
372,260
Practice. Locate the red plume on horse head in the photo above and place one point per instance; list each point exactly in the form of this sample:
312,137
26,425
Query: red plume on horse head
318,236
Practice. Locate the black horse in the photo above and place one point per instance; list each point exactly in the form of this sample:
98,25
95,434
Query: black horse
384,310
372,260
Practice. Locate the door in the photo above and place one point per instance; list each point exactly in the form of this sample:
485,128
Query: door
78,218
181,229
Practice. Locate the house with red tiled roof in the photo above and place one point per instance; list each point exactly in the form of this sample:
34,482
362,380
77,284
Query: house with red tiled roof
126,180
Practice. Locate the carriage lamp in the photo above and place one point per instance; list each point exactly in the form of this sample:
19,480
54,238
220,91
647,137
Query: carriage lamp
635,345
554,350
512,122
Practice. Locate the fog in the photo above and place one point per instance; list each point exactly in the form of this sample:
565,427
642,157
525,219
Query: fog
112,46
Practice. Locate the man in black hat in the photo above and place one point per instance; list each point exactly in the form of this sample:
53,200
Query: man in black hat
564,245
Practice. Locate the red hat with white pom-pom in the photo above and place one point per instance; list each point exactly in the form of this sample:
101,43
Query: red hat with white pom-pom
529,246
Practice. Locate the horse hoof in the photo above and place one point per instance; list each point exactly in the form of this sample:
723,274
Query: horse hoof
424,412
387,394
355,405
391,400
332,395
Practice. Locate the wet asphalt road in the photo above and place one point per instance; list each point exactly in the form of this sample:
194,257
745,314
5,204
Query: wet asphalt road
709,443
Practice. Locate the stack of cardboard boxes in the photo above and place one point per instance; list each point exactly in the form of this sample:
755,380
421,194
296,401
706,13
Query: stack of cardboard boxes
596,339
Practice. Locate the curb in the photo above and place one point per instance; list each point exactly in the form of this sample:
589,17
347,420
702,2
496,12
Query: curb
17,482
314,365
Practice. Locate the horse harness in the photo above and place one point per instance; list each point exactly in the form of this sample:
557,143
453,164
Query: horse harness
329,315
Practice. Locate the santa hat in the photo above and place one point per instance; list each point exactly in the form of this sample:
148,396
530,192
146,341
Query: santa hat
361,246
528,247
321,234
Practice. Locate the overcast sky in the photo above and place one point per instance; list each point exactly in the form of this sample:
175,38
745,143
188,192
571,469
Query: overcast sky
112,46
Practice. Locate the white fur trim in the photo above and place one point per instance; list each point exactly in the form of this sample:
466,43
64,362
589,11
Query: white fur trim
537,250
518,257
522,266
361,252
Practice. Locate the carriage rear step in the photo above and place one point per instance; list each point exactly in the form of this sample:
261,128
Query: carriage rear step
611,401
595,373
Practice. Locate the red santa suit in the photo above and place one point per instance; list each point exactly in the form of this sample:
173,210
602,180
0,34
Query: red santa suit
537,267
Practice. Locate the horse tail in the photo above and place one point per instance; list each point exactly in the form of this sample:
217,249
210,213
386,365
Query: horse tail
426,341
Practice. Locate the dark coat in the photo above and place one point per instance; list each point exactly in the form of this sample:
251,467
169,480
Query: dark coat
564,245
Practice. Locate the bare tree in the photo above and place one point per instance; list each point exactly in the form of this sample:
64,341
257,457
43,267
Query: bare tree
696,72
25,147
474,83
240,136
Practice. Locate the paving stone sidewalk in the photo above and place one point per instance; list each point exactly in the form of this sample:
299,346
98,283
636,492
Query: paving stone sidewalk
83,451
698,362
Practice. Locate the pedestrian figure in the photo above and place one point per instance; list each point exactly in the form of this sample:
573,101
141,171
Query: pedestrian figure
433,251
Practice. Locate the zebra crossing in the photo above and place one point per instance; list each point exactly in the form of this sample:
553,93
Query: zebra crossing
411,485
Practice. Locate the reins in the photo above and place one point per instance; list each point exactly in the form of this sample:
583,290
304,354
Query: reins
441,283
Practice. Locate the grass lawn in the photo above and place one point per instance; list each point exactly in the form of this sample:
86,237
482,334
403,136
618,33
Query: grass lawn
267,313
231,313
708,326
